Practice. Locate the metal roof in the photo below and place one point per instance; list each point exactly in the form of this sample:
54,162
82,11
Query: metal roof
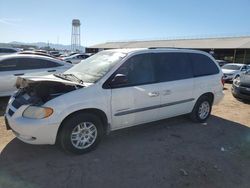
209,43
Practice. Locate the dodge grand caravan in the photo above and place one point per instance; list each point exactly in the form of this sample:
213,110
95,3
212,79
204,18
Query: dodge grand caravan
112,90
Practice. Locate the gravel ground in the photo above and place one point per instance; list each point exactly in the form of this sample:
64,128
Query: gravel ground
168,153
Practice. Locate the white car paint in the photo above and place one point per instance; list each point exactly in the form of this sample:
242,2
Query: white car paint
116,101
8,78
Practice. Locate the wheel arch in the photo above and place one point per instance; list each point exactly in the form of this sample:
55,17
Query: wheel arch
210,95
101,114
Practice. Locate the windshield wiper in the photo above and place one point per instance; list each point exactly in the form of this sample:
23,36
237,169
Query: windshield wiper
74,76
68,76
62,76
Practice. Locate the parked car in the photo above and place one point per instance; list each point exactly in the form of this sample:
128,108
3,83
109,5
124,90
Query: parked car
76,58
221,62
12,66
42,51
233,70
55,53
35,53
111,90
6,51
241,86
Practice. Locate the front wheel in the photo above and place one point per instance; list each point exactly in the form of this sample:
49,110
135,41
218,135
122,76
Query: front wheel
80,133
202,109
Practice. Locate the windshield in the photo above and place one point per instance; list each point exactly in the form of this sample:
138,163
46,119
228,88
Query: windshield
95,67
231,67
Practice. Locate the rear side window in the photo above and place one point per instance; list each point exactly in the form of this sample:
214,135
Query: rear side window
172,66
32,63
26,64
42,63
7,50
8,65
203,65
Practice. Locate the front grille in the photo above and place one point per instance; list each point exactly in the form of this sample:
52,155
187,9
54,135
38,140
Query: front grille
245,92
245,85
10,112
18,101
16,104
228,74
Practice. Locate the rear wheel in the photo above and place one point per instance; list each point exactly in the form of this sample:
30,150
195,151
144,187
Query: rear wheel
202,109
81,133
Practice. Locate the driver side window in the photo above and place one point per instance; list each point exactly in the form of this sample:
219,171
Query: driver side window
138,70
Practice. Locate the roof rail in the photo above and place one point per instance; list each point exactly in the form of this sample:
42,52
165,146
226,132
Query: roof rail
166,48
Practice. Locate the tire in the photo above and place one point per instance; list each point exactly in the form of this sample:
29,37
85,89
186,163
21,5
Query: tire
80,133
69,62
199,115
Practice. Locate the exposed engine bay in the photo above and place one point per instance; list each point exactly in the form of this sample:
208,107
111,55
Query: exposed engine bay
39,92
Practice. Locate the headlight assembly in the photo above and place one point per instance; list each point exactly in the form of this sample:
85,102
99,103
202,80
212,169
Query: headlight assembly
236,81
35,112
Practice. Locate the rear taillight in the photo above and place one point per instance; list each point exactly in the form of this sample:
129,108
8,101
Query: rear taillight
222,80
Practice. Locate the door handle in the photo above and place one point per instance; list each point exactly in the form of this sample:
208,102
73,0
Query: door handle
51,70
167,92
20,74
154,94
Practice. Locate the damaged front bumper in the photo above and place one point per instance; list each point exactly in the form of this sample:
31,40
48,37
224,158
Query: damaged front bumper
32,131
36,91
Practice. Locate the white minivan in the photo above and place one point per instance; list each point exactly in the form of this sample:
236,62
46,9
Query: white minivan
111,90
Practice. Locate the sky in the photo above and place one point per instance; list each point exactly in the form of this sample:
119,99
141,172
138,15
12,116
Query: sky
121,20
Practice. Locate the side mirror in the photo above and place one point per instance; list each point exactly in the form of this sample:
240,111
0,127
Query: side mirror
119,79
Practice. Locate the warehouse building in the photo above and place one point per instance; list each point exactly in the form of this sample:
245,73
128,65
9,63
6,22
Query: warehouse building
231,49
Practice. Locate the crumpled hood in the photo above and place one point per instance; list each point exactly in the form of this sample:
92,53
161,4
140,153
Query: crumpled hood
41,89
46,78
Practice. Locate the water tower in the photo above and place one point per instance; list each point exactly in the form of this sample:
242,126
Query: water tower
75,35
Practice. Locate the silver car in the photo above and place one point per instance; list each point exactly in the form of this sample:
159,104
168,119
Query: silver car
233,70
76,58
12,66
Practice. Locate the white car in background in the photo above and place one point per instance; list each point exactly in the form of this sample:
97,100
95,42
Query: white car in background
76,58
233,70
6,51
12,66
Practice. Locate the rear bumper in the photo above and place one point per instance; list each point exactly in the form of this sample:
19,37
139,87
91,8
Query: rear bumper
218,96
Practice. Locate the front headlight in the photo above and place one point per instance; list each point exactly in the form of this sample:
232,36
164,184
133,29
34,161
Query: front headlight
35,112
236,81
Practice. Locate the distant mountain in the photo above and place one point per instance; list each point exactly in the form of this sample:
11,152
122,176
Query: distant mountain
44,44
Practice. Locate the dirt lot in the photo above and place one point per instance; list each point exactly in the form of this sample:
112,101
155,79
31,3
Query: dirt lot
168,153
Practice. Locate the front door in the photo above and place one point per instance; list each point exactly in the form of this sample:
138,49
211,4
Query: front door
138,100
